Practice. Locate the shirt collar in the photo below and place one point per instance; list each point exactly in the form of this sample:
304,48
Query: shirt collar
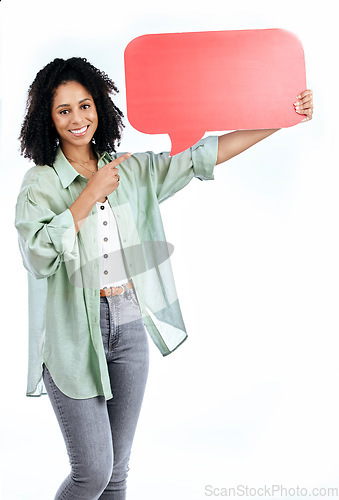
66,172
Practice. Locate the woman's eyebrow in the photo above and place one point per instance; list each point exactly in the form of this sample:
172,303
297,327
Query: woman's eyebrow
67,105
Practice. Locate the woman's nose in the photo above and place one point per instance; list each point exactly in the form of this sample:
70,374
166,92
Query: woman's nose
76,116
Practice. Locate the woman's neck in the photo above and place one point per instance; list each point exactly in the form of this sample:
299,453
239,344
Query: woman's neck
81,153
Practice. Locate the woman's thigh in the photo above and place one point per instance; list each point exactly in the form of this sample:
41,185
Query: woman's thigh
86,429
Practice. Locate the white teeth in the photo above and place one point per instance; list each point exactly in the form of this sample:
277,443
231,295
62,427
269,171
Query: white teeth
79,130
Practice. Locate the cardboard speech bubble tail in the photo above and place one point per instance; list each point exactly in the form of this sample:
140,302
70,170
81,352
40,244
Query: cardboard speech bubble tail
181,140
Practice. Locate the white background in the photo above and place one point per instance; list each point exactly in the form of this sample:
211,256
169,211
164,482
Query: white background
252,397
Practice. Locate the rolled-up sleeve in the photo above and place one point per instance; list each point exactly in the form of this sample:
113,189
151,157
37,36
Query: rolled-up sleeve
46,239
170,174
204,158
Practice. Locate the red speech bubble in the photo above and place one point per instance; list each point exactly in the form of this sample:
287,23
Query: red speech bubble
185,84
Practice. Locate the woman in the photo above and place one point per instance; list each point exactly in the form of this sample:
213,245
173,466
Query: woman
92,240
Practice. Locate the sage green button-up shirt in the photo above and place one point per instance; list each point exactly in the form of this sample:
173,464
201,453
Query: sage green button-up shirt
63,267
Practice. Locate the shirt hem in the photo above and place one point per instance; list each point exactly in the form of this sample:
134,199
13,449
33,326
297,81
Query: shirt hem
176,347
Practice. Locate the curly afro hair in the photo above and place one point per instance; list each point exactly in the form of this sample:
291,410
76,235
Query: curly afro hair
39,139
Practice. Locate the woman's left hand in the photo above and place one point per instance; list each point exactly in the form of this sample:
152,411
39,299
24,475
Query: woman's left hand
304,105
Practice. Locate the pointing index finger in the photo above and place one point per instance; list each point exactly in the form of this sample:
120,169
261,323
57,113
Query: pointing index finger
120,159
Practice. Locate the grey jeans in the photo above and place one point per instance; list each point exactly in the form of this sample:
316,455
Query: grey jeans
98,434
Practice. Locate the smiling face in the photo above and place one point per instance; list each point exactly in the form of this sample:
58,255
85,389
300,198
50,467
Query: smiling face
74,116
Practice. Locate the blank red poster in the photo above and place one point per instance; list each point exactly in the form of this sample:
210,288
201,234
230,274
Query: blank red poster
186,84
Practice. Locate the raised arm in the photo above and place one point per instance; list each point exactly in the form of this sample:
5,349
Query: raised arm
233,143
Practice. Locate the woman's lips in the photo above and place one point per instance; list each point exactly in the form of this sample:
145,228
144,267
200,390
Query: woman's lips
79,131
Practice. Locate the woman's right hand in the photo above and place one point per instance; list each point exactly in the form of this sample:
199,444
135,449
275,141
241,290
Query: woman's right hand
106,179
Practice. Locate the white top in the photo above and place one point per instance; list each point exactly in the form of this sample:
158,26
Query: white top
111,264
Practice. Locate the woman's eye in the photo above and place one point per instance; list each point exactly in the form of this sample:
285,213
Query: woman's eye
85,106
64,111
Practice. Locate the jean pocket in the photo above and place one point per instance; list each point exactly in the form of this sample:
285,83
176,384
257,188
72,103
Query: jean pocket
105,317
133,298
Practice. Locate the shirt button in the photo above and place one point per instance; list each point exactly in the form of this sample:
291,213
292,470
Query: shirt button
105,255
102,207
105,239
105,223
106,272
